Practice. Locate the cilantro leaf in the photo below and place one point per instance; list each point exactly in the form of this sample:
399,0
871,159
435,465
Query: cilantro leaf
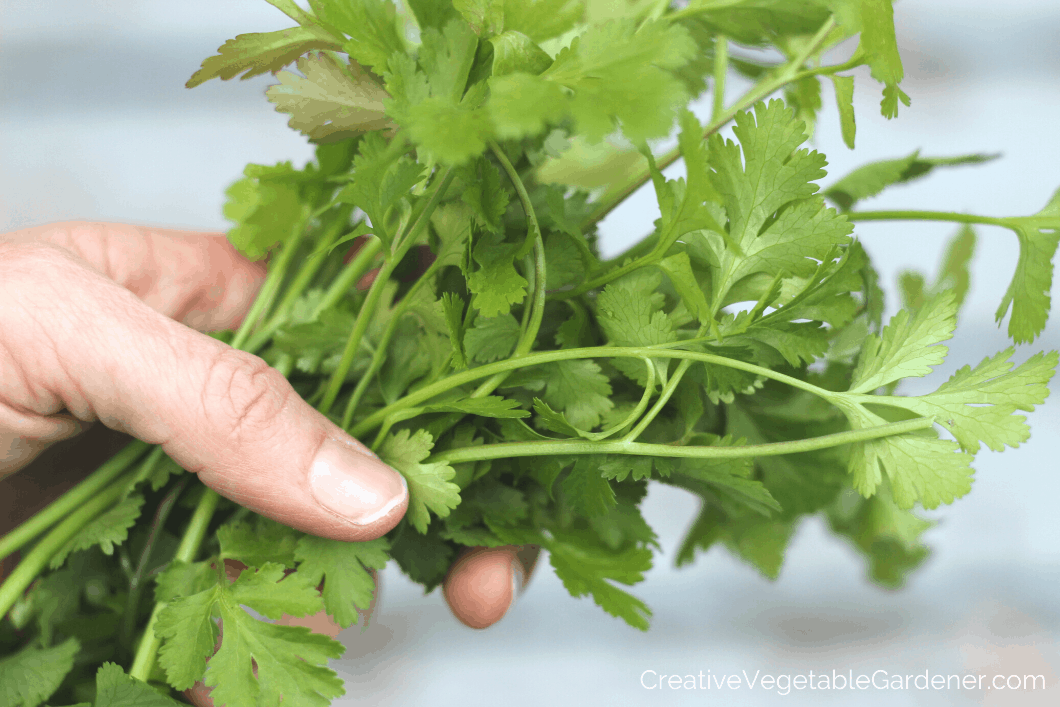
758,541
488,406
844,98
344,567
1028,293
486,195
258,53
578,389
430,484
587,567
514,51
254,545
880,47
542,19
290,660
265,212
587,489
497,285
382,178
183,579
116,689
871,179
773,178
909,345
371,25
189,633
486,17
30,676
330,101
953,273
109,529
629,312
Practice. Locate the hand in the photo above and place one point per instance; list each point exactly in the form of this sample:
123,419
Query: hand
104,321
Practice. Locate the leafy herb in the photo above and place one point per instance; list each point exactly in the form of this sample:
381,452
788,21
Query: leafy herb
527,389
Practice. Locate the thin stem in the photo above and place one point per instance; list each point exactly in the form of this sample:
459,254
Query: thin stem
73,499
505,450
788,73
301,281
37,558
529,332
349,276
364,316
457,379
721,70
926,216
132,605
271,287
144,660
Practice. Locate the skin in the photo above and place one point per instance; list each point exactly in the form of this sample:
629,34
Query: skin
92,313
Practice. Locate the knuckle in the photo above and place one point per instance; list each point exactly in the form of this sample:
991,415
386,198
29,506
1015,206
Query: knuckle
244,395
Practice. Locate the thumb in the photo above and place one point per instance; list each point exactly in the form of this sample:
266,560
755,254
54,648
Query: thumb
81,342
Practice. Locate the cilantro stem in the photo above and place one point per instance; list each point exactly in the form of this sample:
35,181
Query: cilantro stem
301,281
535,359
37,558
273,280
136,587
147,652
364,316
529,332
505,450
73,499
926,216
789,72
349,276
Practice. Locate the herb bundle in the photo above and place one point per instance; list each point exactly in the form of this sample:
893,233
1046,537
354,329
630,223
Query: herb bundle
526,388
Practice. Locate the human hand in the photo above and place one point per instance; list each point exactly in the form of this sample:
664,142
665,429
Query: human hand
104,321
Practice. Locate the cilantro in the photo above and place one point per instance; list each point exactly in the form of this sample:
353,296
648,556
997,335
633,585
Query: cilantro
429,484
30,676
344,567
107,531
259,53
116,689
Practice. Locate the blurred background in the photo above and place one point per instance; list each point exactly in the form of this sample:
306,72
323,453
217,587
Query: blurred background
95,123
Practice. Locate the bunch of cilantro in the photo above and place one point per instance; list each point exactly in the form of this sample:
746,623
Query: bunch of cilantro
527,389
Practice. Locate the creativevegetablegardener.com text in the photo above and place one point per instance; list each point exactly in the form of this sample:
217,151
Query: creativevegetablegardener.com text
838,680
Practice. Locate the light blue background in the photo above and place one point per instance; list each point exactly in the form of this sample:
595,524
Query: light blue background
95,124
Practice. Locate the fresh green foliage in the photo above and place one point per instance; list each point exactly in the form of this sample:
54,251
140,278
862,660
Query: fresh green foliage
528,390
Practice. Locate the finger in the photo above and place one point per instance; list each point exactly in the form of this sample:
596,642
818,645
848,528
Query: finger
197,278
74,339
484,583
321,623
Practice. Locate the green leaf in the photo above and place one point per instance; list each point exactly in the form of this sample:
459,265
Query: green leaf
761,542
1028,293
871,179
953,273
488,406
497,285
330,101
773,178
486,195
189,633
429,484
909,345
265,212
587,489
181,579
629,312
371,25
880,47
290,660
107,530
30,676
344,567
453,307
116,689
446,58
678,268
382,177
543,19
515,52
919,466
978,405
578,389
588,568
259,53
255,544
844,98
486,17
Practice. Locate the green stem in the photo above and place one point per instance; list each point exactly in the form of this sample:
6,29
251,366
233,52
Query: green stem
505,450
529,332
349,276
73,499
37,558
273,280
463,377
146,653
136,586
790,72
721,70
364,316
926,216
301,281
